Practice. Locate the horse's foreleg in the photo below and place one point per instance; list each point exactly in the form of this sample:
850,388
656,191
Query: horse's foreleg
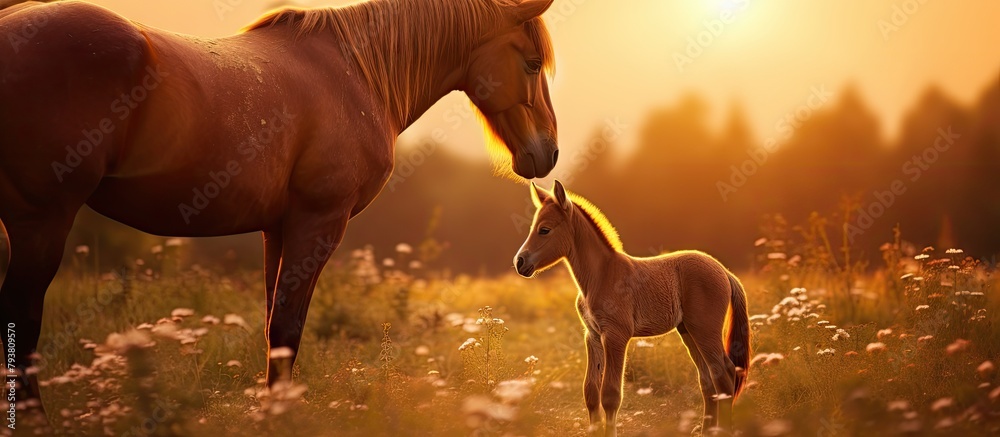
272,260
615,345
711,409
36,249
592,382
308,240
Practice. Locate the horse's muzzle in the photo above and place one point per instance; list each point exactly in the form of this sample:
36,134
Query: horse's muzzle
538,161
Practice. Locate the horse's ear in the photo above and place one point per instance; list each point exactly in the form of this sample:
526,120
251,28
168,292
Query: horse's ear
529,9
537,195
561,198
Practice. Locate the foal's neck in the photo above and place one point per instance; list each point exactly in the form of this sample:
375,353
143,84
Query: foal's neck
592,260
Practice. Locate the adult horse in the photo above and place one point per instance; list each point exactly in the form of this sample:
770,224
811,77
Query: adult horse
286,128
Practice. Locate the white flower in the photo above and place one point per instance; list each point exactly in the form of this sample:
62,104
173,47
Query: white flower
875,347
182,312
404,248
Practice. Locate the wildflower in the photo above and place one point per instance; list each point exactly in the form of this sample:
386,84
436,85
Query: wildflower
829,351
531,359
899,405
798,290
234,363
480,409
158,249
922,256
986,369
210,320
643,343
513,391
760,242
281,352
422,350
883,333
841,333
470,343
174,242
942,404
822,322
850,354
777,427
957,346
995,394
721,397
388,262
922,307
767,359
182,312
954,251
875,347
404,248
925,338
644,391
777,255
233,319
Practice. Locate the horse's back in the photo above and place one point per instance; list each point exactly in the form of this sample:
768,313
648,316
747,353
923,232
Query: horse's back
47,109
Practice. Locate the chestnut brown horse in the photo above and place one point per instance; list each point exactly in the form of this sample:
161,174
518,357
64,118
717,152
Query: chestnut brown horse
622,297
286,128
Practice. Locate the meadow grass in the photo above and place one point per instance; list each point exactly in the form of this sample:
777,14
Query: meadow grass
906,348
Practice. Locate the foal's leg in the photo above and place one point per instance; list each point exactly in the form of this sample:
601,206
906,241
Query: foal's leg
711,409
308,240
615,345
723,371
36,248
592,382
272,260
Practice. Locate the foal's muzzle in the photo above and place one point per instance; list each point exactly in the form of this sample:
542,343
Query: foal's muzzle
523,267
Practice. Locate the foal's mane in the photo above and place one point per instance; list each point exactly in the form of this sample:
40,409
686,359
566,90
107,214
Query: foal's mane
600,221
424,32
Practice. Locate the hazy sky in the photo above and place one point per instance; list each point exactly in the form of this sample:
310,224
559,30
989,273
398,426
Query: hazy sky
619,58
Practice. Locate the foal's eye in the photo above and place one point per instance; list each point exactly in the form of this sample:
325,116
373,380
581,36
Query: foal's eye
534,66
543,231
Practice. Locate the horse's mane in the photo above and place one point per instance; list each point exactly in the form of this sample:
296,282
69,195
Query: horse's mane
424,31
597,218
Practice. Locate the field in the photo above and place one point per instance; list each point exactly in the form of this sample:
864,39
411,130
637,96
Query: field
902,345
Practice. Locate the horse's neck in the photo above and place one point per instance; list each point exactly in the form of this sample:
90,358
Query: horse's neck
592,261
409,67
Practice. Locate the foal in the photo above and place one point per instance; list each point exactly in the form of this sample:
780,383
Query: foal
623,297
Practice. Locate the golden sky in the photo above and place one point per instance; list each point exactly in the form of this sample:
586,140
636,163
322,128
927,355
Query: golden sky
617,59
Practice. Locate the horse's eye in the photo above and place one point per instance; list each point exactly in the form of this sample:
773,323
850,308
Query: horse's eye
534,66
543,231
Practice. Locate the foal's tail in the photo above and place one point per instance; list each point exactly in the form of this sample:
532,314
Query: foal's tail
738,336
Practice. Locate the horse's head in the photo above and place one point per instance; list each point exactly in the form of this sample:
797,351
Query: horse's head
551,235
506,81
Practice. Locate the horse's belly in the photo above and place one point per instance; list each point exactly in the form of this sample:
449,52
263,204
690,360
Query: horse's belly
197,207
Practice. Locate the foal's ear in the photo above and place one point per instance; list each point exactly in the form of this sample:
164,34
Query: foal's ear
529,9
537,195
561,198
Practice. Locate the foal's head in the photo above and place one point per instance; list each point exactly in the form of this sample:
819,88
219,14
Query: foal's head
506,80
551,235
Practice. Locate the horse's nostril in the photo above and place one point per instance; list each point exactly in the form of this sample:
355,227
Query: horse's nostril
555,157
520,262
